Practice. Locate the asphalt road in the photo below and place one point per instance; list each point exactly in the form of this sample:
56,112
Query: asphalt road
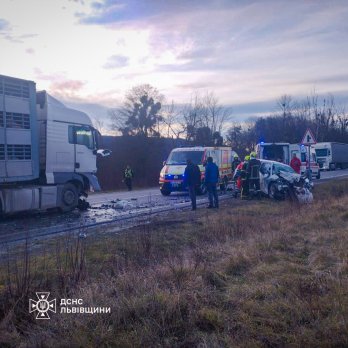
153,194
106,207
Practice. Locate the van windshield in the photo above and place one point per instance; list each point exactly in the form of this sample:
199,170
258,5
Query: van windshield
321,152
180,157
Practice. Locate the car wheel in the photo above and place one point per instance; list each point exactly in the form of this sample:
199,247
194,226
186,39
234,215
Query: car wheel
165,192
273,191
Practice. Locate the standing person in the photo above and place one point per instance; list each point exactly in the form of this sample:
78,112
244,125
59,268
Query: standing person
192,178
211,179
295,163
237,175
253,173
235,163
128,177
244,193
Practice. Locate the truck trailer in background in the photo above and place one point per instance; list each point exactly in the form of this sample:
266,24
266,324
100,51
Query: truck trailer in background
47,151
331,156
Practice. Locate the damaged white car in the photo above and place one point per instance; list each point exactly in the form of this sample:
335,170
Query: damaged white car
278,180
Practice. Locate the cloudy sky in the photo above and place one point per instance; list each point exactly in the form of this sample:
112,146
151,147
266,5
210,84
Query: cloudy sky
89,53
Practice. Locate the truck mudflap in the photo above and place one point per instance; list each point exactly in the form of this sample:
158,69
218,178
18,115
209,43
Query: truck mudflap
93,181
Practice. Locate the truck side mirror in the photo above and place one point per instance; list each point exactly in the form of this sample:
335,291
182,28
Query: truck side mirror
103,152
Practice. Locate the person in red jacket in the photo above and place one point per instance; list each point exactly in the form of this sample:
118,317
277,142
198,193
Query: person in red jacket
295,164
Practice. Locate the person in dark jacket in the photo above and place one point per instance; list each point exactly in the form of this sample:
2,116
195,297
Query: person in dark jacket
192,178
253,173
211,179
235,163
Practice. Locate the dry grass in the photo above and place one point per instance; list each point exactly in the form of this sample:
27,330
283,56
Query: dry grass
265,274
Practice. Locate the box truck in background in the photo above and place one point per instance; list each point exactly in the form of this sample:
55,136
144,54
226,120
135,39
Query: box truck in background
331,155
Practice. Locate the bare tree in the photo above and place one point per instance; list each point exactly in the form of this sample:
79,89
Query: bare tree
98,124
204,117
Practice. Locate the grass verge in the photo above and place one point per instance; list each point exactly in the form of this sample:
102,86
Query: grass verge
262,274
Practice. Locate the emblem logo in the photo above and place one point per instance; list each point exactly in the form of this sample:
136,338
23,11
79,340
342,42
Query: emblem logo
42,306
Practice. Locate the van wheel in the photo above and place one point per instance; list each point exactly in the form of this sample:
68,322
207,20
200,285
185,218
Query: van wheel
165,192
69,197
223,185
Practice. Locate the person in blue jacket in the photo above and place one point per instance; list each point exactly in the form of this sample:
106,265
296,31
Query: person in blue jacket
211,179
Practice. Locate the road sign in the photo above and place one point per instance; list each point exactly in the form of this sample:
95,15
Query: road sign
308,138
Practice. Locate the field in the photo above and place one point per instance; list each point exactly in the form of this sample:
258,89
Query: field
263,274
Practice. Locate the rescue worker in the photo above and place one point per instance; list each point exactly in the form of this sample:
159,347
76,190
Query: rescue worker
295,163
211,178
237,175
192,178
235,163
128,177
253,173
244,193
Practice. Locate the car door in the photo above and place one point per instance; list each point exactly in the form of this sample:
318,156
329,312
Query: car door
265,174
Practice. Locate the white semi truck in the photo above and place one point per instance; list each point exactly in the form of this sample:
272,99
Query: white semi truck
331,155
47,151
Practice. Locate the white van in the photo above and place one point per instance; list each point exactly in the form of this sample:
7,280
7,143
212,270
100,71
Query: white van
171,176
283,152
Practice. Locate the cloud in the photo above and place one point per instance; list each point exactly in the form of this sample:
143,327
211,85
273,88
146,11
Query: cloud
116,61
30,51
4,25
7,32
67,88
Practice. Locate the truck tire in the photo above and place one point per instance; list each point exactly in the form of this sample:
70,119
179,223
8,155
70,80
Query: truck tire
165,192
332,166
69,197
318,175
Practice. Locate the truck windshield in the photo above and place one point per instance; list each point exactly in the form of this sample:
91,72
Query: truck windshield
321,152
180,157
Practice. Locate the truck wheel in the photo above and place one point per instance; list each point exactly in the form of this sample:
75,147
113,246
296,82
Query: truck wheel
318,175
332,166
69,197
165,192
